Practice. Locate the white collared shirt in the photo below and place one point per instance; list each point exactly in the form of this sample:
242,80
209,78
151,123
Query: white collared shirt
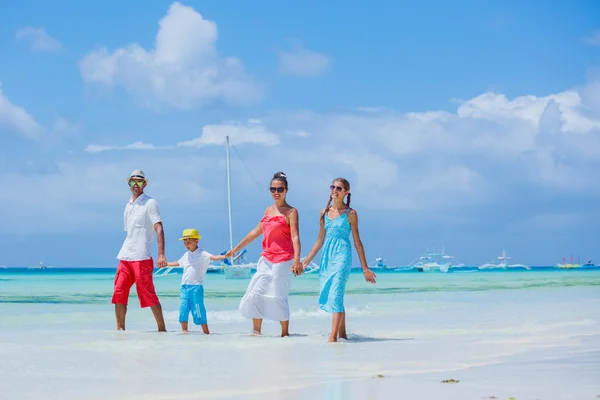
139,217
195,264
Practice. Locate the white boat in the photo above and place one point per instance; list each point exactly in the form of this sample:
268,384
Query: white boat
502,265
41,266
429,262
236,268
311,268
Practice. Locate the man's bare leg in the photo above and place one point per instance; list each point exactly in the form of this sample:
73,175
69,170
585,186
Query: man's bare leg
342,330
158,316
285,328
256,326
120,312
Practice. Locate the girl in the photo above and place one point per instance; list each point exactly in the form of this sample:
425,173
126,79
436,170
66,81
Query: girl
336,223
267,293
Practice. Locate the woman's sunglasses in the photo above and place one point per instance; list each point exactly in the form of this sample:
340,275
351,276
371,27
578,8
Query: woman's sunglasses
337,188
133,183
280,189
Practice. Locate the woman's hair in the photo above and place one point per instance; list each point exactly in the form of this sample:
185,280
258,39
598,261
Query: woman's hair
346,186
281,177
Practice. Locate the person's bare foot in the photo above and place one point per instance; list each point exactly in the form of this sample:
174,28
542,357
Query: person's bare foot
255,333
332,339
343,336
284,334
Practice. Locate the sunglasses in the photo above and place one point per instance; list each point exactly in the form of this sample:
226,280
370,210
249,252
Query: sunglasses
337,188
280,189
139,183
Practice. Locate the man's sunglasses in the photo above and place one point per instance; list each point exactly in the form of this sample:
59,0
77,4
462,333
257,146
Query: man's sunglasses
337,188
133,183
279,189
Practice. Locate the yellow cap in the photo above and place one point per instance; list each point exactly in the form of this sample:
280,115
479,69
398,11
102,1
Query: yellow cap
190,234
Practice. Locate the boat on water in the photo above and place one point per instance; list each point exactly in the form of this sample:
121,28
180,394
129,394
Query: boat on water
503,265
40,266
435,262
237,267
589,265
568,265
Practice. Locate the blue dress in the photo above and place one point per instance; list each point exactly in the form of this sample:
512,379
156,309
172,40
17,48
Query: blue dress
336,263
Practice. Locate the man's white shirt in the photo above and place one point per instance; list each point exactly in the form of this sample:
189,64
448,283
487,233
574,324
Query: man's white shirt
139,219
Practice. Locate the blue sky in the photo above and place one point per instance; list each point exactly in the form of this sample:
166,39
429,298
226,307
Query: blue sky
473,125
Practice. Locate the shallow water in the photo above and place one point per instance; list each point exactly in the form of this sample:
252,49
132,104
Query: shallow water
492,330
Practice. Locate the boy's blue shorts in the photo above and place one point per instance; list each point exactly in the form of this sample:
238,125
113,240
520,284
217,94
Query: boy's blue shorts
192,299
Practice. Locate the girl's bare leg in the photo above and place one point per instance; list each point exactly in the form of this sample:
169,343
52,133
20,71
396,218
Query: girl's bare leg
336,320
184,327
342,328
205,329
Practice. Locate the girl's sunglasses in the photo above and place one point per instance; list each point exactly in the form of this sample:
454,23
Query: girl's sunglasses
280,189
133,183
337,188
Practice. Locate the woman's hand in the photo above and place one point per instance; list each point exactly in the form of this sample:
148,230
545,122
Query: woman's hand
369,275
297,268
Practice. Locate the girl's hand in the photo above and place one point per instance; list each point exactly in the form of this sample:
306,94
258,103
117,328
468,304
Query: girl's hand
369,275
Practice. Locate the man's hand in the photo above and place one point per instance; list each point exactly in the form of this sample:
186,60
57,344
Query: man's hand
161,262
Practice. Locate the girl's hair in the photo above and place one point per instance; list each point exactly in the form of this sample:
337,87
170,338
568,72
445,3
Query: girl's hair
281,177
346,186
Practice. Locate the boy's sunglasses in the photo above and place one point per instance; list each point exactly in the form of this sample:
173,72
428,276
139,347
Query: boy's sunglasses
133,183
280,189
337,188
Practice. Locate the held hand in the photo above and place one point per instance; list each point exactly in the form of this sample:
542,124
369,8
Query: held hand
229,254
369,275
297,268
161,262
304,265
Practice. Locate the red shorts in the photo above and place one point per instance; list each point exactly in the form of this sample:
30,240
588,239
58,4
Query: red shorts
140,273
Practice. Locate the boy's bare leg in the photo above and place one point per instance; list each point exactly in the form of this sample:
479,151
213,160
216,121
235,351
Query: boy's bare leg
285,326
120,313
205,329
256,326
158,316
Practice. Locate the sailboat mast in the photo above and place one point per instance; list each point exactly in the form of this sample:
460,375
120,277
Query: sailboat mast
229,196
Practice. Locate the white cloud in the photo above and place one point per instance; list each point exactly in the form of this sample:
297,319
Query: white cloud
593,39
302,62
38,39
252,132
15,118
95,148
183,70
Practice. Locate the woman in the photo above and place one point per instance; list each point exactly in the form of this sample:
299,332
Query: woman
267,293
336,223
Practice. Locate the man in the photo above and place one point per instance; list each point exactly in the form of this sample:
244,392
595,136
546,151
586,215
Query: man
142,217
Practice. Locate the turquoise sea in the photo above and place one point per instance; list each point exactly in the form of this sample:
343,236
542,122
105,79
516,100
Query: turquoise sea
528,334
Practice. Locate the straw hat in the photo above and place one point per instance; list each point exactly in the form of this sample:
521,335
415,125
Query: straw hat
137,174
190,234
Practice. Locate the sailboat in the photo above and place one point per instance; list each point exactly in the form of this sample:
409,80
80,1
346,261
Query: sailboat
237,267
569,265
503,265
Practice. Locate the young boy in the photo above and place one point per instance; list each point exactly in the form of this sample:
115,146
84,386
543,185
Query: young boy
195,263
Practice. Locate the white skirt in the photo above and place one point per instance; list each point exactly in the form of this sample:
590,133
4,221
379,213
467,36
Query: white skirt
267,293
